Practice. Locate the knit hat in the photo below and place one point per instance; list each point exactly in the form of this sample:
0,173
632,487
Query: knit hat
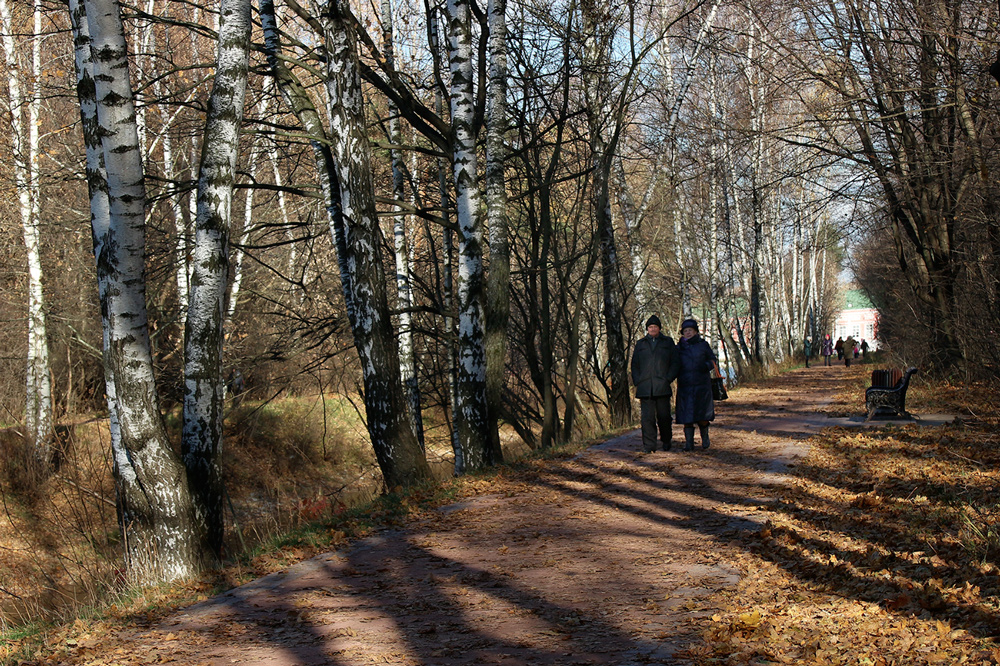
653,321
689,323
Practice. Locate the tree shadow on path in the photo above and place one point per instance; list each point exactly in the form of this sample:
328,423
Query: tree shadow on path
607,558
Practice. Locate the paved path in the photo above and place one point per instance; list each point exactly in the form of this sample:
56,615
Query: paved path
612,557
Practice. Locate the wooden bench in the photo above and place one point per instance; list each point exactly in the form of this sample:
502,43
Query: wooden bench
887,394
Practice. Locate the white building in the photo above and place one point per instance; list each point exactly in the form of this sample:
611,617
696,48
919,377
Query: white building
858,319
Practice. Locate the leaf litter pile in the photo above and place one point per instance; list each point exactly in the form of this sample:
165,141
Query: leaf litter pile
884,549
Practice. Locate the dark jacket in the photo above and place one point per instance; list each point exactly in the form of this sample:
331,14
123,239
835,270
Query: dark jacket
827,347
694,381
654,366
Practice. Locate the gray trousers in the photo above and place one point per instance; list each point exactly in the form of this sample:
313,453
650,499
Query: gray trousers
655,412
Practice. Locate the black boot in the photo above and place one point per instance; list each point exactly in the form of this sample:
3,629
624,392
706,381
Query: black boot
689,438
704,436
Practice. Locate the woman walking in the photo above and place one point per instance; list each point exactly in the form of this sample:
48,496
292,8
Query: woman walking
694,384
827,349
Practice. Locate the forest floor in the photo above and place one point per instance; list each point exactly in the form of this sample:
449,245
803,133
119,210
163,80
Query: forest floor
801,536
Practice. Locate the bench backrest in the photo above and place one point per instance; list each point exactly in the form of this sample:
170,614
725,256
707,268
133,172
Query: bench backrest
887,378
893,378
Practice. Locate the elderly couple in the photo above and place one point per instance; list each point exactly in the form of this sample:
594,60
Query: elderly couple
656,362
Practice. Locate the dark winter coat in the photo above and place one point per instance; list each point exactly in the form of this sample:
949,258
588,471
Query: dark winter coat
694,381
827,349
654,366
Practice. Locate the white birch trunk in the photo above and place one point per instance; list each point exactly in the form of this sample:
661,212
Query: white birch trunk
740,272
757,205
180,242
630,216
38,341
404,293
343,162
245,228
25,148
447,251
821,299
204,390
376,346
293,255
813,285
155,511
142,33
713,239
681,249
188,242
714,286
780,312
795,332
471,418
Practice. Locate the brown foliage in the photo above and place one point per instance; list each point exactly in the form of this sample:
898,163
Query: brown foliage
885,550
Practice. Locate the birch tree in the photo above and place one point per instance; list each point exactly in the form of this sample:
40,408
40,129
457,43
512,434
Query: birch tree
404,292
204,390
472,416
754,74
24,115
447,237
156,514
342,156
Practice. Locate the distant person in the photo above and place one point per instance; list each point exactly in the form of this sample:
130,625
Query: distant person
807,348
857,351
848,351
864,349
236,385
694,384
826,348
839,348
654,366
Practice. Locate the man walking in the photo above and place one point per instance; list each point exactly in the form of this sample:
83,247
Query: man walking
654,365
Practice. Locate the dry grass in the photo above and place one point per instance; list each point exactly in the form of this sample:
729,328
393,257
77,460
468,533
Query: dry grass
288,463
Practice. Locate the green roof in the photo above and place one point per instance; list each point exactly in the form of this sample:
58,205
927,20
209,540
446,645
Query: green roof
856,299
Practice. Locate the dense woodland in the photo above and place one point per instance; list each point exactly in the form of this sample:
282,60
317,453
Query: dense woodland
461,214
